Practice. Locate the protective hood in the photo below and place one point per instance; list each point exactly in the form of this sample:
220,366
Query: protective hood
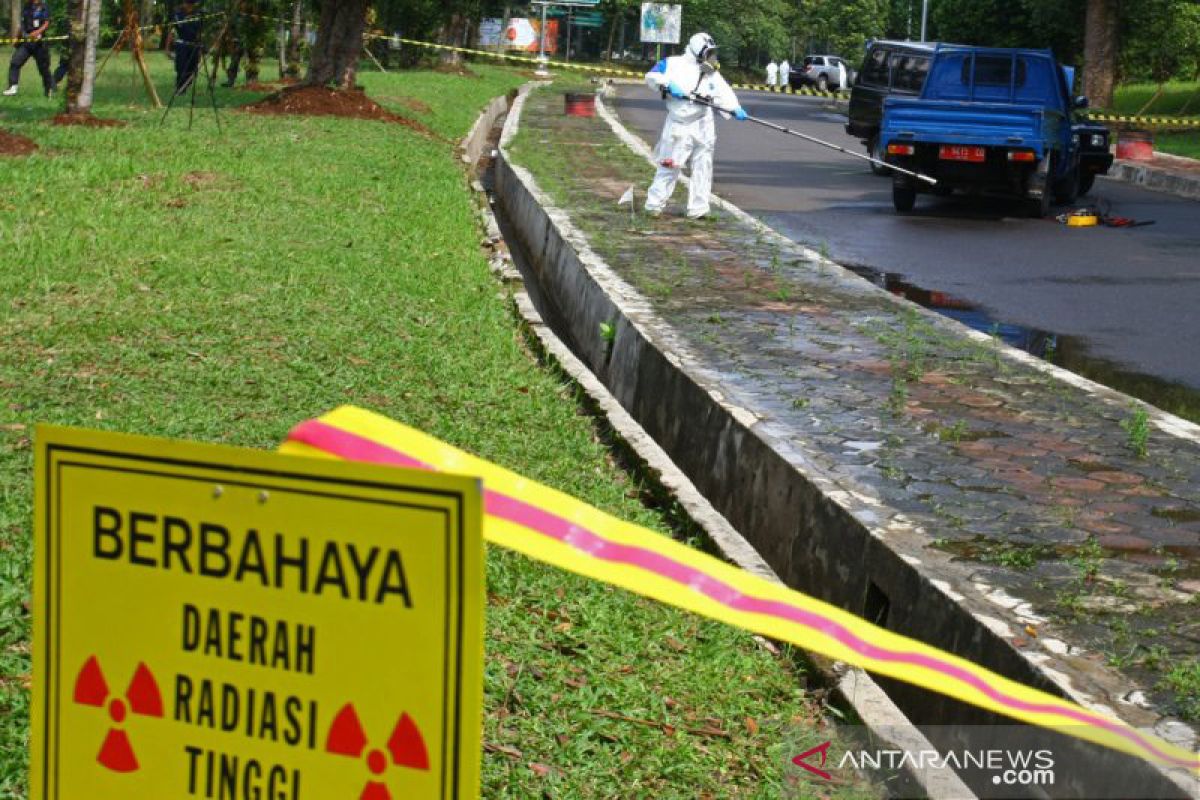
702,47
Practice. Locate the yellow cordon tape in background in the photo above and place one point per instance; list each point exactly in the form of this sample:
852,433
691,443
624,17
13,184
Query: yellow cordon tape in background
624,73
552,527
1142,120
27,39
64,37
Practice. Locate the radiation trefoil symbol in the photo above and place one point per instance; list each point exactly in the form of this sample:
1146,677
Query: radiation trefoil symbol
142,697
405,746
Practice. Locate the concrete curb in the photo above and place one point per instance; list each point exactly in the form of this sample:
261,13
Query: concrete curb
818,530
473,143
1157,179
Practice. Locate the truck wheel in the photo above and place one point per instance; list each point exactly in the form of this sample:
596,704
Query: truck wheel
874,152
1085,183
1039,207
1066,189
823,83
904,196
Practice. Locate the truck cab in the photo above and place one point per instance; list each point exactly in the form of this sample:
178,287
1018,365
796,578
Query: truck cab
997,120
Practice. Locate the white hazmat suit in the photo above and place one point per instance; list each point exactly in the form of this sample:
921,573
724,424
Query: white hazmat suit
689,133
785,71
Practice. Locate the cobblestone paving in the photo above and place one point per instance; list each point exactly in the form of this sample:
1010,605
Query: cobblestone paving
1037,481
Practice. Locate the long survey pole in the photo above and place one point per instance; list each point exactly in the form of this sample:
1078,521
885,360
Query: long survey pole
706,102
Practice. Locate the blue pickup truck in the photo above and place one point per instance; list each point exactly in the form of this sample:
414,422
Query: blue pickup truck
991,120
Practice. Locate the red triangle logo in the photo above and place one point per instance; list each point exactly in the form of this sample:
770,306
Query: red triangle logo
117,753
346,736
375,791
143,695
90,687
406,745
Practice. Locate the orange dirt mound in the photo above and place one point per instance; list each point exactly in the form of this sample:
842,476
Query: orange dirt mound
12,144
87,121
260,86
321,101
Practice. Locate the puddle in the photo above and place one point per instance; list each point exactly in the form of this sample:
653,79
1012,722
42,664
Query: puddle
1177,514
1089,466
954,433
1067,352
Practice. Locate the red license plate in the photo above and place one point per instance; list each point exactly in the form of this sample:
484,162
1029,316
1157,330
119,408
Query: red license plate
952,152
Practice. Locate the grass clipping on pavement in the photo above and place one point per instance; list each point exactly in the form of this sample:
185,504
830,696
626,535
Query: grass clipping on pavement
221,288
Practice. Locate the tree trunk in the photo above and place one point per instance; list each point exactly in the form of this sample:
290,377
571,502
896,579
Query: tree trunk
14,18
77,36
293,46
1100,52
81,67
612,35
280,45
452,34
334,58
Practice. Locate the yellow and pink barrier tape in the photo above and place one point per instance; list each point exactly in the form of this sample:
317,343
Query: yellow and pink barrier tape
552,527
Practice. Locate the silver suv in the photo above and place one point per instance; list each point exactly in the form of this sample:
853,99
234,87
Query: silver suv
824,72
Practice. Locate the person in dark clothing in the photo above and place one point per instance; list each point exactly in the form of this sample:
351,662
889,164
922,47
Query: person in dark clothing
248,33
35,20
184,44
64,66
236,51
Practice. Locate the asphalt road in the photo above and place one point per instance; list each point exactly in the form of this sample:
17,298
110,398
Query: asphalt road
1130,297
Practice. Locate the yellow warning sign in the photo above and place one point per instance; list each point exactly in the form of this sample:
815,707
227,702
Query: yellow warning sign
214,622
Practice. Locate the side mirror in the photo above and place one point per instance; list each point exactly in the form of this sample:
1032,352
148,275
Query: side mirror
1081,102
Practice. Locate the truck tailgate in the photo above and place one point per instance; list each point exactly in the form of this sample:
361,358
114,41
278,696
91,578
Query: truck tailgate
950,122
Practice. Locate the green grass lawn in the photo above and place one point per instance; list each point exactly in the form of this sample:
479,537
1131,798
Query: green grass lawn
221,287
1129,98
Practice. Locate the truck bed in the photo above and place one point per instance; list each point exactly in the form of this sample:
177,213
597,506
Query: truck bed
962,123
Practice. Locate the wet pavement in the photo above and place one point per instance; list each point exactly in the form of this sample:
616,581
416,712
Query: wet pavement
1069,352
1081,504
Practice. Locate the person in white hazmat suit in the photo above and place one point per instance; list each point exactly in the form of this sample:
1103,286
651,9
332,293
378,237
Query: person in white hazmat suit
785,72
689,133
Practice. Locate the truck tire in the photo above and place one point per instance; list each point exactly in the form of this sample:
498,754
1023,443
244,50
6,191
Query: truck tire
1039,207
904,195
1085,183
874,152
1066,189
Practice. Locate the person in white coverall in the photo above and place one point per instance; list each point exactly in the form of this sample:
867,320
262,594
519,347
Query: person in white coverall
772,73
785,69
689,133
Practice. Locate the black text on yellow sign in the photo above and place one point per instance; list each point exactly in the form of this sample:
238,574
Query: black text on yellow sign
212,622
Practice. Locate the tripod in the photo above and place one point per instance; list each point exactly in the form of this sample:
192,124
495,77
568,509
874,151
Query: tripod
208,68
132,35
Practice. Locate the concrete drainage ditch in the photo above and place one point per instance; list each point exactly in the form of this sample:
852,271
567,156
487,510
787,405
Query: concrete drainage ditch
818,531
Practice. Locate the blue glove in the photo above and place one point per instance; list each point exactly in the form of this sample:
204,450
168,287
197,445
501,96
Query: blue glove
739,114
674,90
